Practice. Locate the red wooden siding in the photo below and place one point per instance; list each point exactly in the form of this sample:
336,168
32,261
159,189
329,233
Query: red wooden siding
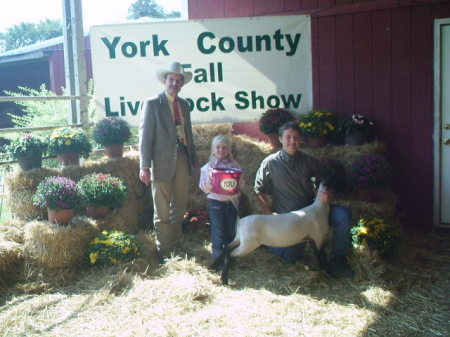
373,58
56,64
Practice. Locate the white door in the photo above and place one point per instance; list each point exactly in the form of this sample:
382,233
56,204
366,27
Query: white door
442,123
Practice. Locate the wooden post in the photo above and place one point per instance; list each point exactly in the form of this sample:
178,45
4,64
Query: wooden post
75,62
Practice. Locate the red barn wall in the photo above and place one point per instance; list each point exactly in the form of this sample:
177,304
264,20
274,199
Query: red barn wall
374,58
56,65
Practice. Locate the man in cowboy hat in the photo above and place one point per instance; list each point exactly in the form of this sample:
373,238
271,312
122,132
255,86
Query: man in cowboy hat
167,155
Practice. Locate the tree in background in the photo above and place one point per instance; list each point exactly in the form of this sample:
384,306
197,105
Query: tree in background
43,112
149,8
24,34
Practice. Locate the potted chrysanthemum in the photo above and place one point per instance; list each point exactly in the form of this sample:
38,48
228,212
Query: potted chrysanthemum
68,144
101,192
368,175
60,196
27,150
112,247
112,133
379,234
356,129
271,120
317,125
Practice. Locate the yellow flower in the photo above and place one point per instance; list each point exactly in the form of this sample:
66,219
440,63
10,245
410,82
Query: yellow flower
93,257
68,142
363,231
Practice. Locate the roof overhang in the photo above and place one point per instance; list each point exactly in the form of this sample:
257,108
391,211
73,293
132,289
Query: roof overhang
24,57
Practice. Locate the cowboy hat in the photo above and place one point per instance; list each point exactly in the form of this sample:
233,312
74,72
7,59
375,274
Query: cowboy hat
174,68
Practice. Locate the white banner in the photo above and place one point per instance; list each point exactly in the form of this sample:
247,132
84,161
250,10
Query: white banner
241,67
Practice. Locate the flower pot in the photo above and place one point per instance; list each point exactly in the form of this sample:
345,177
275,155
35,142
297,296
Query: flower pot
60,217
274,140
369,194
30,162
355,138
97,212
114,151
316,142
67,159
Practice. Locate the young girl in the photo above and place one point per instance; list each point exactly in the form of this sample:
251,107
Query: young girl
223,208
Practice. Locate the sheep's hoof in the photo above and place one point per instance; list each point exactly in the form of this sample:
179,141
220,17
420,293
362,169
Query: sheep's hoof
224,281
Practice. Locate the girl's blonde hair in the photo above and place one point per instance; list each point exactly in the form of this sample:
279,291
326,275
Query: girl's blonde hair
221,139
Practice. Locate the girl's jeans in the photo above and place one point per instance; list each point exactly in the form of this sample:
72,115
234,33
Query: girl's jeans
341,220
223,217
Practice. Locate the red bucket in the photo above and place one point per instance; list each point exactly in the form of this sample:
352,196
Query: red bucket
226,181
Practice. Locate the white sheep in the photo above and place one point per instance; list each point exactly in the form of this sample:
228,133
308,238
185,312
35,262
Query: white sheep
281,230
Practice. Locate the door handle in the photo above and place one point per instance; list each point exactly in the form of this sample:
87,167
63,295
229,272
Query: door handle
446,141
447,126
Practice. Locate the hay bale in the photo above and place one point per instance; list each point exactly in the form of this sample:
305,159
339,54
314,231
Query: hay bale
21,205
12,230
10,255
386,208
366,264
204,133
346,154
249,153
21,187
56,247
27,180
124,219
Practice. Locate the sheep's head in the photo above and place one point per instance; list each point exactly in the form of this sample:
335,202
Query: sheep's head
333,172
325,190
333,183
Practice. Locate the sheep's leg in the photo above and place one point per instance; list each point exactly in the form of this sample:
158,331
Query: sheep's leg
226,267
226,264
221,259
322,258
217,262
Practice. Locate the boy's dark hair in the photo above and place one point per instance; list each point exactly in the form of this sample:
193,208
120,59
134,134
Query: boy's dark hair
288,125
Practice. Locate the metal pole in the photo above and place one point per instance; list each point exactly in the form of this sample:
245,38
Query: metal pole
74,60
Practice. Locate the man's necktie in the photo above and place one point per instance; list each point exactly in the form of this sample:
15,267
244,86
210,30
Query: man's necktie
176,112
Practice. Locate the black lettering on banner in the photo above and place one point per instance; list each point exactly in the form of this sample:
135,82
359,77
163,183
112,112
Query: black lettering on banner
200,43
207,44
111,46
241,97
130,49
260,102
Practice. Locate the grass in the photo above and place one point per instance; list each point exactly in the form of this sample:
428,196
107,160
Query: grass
407,296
